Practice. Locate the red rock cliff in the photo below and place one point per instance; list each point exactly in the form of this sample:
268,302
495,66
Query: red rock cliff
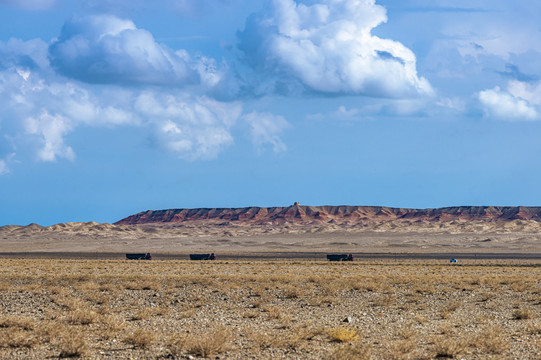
308,214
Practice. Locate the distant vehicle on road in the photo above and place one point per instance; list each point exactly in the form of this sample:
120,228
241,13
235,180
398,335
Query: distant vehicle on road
139,256
453,260
340,257
210,256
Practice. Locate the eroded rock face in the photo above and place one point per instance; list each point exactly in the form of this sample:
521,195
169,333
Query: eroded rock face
352,214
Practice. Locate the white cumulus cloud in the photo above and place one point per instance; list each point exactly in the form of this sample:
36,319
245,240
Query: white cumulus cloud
51,130
109,50
45,108
193,128
327,46
520,101
104,72
41,111
266,128
40,108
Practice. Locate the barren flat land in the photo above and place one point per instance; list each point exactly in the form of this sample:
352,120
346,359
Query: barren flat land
67,291
239,240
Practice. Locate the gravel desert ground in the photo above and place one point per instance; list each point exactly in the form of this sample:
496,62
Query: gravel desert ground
104,309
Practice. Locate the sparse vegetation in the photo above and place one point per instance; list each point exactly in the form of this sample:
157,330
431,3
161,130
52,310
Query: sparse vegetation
523,314
201,344
140,338
343,334
312,310
72,345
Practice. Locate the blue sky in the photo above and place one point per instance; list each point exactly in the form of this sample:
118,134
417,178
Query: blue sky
108,108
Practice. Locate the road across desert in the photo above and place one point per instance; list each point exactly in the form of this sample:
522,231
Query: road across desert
280,256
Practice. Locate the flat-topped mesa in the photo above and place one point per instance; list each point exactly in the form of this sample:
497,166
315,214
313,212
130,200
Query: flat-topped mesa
306,214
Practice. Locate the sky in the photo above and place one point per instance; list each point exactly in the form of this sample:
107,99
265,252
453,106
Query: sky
109,108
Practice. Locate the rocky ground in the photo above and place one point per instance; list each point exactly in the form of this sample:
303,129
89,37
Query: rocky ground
118,309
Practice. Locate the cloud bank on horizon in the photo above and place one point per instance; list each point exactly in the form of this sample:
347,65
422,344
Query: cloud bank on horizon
105,71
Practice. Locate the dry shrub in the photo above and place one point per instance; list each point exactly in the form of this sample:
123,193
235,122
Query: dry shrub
330,288
521,286
372,284
323,300
534,328
72,345
274,312
186,314
88,286
258,290
421,319
82,316
250,314
142,285
107,287
307,331
96,298
140,338
486,296
148,312
424,288
447,329
445,314
343,334
352,352
490,340
17,322
276,341
197,301
384,300
58,290
160,310
112,324
523,314
452,305
142,314
17,338
448,347
290,339
402,349
69,302
104,310
200,344
292,291
33,288
407,333
51,331
265,340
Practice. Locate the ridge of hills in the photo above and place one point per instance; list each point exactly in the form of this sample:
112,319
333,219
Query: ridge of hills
300,214
290,229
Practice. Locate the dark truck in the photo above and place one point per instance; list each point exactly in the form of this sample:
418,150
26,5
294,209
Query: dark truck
141,256
340,257
202,256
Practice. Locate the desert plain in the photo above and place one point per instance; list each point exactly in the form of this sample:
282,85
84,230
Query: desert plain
67,290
